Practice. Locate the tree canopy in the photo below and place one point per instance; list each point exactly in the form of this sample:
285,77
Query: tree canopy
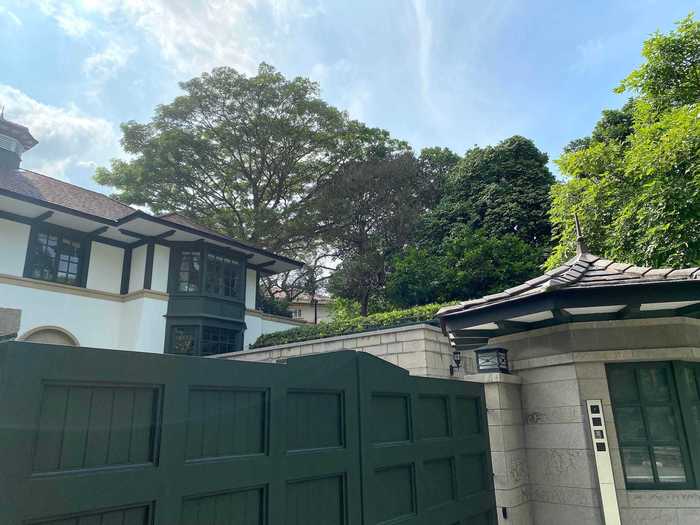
635,182
502,189
241,154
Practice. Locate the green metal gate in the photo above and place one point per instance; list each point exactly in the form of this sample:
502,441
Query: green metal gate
102,437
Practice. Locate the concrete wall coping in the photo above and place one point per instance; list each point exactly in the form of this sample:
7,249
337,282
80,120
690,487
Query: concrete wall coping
569,327
322,340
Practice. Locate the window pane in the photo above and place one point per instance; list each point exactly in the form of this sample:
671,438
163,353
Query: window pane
653,384
188,272
222,275
623,385
637,465
662,423
184,338
630,426
55,257
219,340
669,464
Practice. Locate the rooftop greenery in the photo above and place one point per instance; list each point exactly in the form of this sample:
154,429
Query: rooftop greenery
417,314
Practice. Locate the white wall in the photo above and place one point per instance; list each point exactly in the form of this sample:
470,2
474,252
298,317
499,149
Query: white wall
138,324
138,268
161,266
142,325
307,311
105,270
250,283
14,238
256,325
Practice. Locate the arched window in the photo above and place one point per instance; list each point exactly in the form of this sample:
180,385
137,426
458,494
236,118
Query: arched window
53,335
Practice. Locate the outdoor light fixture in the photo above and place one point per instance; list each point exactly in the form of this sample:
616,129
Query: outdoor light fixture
457,358
492,360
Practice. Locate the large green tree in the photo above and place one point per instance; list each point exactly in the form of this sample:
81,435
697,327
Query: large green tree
636,182
245,155
502,189
235,152
368,215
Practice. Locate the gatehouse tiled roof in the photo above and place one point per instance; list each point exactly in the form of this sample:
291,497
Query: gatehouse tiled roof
582,271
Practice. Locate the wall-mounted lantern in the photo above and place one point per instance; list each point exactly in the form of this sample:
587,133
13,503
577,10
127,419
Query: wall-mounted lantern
492,360
457,358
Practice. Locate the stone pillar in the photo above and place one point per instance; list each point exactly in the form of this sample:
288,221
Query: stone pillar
563,480
508,454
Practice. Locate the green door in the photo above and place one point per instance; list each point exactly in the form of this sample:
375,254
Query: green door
109,437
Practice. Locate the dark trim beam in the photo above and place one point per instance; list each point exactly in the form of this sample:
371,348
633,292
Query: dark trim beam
15,218
126,271
129,233
148,273
165,235
97,232
44,216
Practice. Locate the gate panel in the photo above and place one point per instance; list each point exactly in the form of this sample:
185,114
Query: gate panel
110,437
425,452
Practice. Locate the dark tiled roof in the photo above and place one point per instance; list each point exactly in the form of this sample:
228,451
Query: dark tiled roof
19,132
583,271
37,186
180,219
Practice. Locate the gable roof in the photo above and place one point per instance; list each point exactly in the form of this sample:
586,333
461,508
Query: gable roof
44,188
25,194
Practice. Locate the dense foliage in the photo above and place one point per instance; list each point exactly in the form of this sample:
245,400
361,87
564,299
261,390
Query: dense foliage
467,264
635,182
367,216
245,156
417,314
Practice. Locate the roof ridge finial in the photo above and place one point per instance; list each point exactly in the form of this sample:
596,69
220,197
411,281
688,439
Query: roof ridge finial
580,238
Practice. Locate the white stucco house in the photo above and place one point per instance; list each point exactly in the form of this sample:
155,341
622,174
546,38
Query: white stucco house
77,267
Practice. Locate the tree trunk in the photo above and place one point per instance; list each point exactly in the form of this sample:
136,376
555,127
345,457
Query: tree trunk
364,304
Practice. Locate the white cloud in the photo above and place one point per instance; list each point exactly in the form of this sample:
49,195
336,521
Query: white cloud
105,64
9,14
192,37
66,16
71,143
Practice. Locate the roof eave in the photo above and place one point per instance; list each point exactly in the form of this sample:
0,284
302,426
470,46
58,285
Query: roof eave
556,300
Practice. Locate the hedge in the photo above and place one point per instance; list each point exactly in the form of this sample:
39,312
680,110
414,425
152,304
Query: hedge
417,314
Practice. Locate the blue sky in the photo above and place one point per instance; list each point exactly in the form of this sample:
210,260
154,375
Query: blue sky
433,72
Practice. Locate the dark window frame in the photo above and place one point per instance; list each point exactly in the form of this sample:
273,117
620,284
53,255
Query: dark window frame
61,233
688,431
201,331
205,251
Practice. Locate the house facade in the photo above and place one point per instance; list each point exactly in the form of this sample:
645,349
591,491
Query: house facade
80,268
311,309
